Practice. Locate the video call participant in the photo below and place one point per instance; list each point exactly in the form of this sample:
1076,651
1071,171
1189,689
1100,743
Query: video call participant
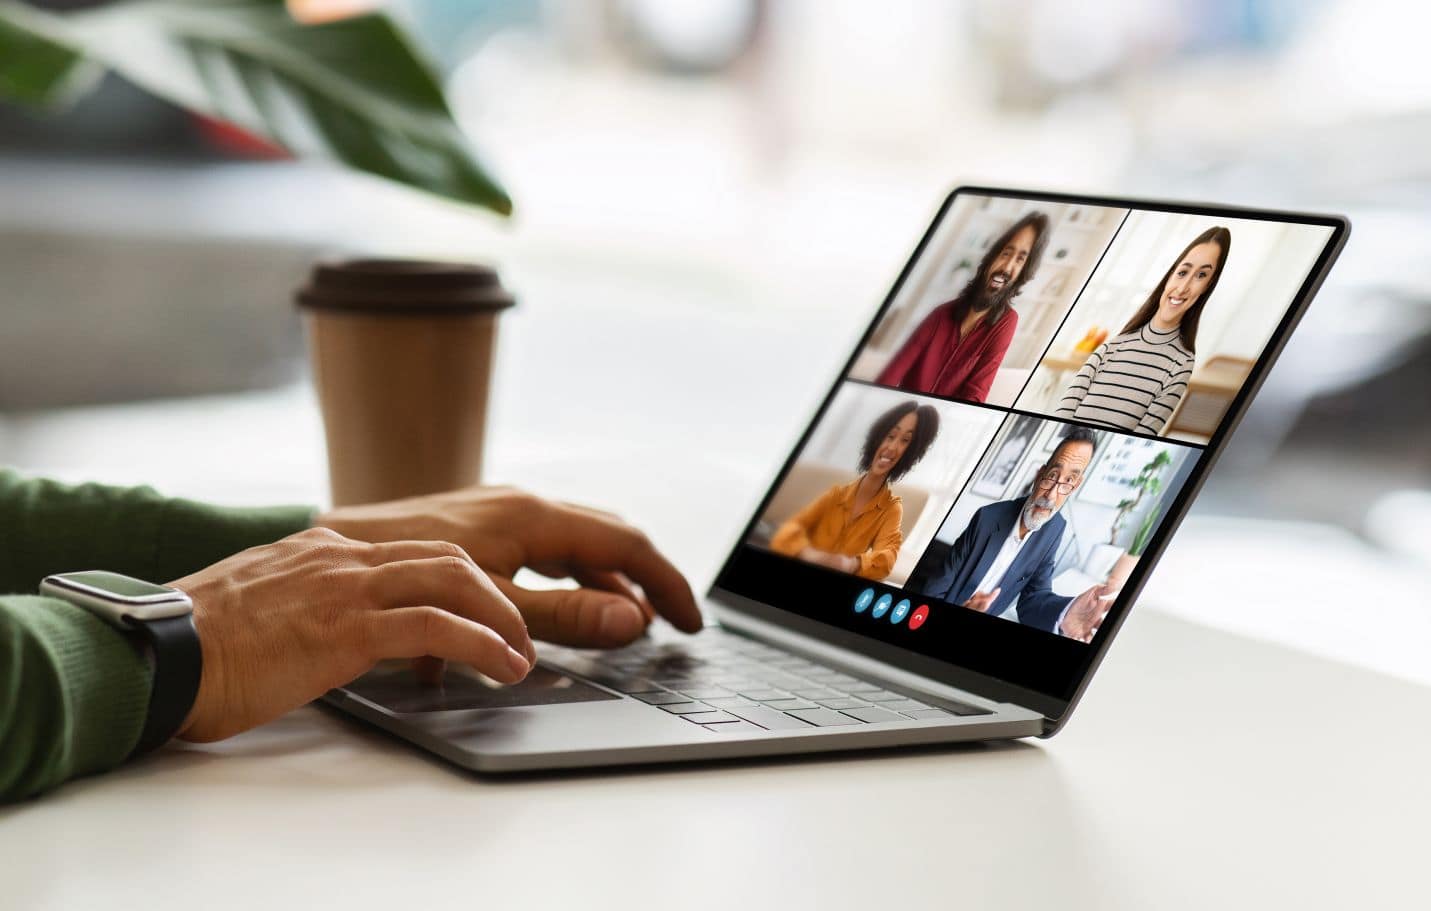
957,350
855,527
1007,552
1136,380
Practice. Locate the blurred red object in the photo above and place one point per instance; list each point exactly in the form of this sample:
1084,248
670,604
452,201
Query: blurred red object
238,142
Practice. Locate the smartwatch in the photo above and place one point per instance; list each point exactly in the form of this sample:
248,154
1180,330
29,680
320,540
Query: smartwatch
163,619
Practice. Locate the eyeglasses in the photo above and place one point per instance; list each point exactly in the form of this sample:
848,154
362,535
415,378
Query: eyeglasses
1050,479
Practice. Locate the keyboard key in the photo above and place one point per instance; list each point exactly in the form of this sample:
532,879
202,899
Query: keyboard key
926,714
883,696
874,715
735,727
824,718
707,692
761,695
785,681
739,684
843,702
709,717
786,705
816,695
861,687
769,719
904,705
661,697
727,701
685,708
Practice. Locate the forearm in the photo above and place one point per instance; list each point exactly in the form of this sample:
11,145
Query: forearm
49,527
73,695
1160,410
790,539
829,559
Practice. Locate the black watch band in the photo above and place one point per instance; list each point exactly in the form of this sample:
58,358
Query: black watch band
178,665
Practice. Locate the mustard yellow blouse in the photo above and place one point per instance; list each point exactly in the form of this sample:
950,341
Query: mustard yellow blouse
830,524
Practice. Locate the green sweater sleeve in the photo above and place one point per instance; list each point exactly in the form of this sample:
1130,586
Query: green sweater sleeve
73,691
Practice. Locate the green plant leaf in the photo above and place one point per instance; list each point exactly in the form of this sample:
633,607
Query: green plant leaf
355,91
36,69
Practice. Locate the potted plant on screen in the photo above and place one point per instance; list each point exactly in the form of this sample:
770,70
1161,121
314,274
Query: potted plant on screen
354,90
1147,484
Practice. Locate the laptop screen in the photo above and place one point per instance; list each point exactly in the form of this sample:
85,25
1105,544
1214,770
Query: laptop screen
1022,424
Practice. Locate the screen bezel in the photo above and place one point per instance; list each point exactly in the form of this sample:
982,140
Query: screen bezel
1055,707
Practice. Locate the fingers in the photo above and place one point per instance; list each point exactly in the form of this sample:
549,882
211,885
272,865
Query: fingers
981,601
580,617
414,632
591,541
618,584
399,551
455,585
603,580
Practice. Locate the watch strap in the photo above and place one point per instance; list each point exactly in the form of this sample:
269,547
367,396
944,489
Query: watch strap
178,665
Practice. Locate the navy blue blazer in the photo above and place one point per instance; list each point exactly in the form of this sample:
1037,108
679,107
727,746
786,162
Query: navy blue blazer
1029,578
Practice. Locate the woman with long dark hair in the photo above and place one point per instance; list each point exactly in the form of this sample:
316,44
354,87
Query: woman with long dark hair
1136,380
855,527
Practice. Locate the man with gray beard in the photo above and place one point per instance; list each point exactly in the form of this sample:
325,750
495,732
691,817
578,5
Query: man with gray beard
1007,552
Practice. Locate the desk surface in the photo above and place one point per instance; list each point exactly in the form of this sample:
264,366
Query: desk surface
1200,772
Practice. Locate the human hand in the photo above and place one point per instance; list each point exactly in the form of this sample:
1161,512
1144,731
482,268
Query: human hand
284,623
624,580
838,562
1086,612
981,601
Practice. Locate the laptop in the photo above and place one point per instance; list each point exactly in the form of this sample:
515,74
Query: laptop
955,540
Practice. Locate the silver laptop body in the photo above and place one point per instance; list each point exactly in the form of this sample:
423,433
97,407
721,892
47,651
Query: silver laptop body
773,676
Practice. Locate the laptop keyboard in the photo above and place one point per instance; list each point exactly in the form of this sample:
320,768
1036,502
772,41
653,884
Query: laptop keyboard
730,684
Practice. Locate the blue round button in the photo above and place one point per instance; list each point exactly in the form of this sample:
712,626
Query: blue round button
882,606
901,610
863,602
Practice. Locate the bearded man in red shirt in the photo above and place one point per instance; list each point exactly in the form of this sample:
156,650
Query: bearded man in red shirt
956,351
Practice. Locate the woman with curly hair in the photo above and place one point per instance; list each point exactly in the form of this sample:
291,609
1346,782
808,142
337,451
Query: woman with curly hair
855,527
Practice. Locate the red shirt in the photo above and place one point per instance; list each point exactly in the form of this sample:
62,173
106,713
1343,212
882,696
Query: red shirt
937,361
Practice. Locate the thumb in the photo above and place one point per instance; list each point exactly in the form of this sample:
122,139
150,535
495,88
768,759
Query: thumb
579,617
994,595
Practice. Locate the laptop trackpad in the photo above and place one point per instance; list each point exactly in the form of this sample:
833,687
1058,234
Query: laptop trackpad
393,686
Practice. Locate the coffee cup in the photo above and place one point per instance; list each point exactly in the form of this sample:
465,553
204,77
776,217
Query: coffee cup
402,353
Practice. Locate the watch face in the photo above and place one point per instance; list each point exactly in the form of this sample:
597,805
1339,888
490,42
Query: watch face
121,587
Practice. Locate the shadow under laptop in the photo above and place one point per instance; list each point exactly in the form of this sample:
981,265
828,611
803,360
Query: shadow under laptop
1000,807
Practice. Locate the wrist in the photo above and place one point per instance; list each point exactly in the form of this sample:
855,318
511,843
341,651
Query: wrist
157,618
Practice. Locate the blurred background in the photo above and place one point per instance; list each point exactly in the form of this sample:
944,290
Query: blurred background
712,198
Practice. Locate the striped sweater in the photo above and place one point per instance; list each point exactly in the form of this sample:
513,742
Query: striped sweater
1132,382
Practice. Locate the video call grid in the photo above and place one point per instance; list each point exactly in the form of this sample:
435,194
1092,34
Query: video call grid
1008,411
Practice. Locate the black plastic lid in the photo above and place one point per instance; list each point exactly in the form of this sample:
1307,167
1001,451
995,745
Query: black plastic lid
402,287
